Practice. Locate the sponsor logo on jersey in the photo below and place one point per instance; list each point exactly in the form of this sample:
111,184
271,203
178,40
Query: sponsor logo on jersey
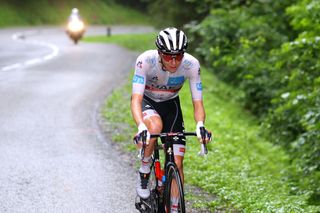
139,64
182,149
174,81
152,61
199,86
163,88
155,78
138,79
187,64
199,71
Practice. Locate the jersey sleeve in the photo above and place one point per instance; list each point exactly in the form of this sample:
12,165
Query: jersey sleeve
195,81
139,77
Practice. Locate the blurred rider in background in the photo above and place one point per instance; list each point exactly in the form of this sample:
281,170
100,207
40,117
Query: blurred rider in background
75,27
74,15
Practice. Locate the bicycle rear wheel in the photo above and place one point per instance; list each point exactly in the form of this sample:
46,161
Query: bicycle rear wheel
174,188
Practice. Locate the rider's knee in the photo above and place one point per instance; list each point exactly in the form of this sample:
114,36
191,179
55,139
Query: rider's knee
154,125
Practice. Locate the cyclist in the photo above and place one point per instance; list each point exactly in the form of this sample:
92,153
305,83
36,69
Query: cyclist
155,105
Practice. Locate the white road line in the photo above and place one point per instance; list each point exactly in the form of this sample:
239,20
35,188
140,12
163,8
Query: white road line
20,37
10,67
32,61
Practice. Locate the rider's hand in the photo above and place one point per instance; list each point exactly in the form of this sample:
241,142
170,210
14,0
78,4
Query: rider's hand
203,135
143,135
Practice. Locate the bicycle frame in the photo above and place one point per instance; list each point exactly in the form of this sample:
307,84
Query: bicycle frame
162,175
168,147
159,192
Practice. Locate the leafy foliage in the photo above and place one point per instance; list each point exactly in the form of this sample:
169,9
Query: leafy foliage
295,114
166,13
270,49
236,44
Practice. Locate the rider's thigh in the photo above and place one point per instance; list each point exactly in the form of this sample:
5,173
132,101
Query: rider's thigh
153,123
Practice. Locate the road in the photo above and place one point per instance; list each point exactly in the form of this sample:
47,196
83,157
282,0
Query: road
53,156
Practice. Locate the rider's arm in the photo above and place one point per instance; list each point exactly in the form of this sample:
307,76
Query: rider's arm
136,100
199,112
196,91
138,86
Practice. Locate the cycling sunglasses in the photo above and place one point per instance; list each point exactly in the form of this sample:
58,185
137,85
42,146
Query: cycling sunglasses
169,57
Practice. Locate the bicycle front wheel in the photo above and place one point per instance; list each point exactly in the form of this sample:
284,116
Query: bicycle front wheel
174,195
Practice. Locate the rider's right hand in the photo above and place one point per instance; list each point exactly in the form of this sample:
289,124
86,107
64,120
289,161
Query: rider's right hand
142,138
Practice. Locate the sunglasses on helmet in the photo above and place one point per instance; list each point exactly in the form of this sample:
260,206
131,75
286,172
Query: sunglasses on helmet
169,57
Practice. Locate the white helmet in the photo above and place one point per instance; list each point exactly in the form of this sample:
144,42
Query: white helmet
75,11
172,41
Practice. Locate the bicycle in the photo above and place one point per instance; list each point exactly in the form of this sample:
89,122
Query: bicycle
161,180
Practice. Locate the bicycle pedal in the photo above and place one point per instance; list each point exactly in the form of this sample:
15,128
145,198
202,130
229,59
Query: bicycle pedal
142,205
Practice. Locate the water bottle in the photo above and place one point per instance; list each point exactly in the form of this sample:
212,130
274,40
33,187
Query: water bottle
163,179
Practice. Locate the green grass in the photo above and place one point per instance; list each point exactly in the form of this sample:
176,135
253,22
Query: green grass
56,12
242,169
136,42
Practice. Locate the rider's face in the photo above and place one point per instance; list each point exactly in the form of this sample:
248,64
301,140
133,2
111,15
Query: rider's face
171,62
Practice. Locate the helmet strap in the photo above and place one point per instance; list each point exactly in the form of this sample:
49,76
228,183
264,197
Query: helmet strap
160,61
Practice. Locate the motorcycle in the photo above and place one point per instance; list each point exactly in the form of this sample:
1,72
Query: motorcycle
75,29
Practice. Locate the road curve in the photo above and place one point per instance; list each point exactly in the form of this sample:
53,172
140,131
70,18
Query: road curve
52,153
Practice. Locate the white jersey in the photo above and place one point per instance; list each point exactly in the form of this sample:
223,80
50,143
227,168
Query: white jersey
151,80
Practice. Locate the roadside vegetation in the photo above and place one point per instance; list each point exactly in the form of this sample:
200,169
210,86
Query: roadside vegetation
244,170
269,50
261,71
56,12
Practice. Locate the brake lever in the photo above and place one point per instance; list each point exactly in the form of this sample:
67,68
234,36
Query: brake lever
143,138
204,149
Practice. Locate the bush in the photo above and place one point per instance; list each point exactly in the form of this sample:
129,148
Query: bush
249,47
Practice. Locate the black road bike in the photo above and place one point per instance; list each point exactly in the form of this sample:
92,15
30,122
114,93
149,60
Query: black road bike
165,182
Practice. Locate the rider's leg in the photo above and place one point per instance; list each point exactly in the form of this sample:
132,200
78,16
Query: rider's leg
179,150
154,125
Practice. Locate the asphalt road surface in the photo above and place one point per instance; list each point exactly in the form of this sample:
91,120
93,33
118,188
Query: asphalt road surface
53,156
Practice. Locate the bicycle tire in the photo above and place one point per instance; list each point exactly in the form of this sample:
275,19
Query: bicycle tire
174,175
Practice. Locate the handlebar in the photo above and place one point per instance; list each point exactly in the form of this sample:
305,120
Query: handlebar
203,151
173,134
